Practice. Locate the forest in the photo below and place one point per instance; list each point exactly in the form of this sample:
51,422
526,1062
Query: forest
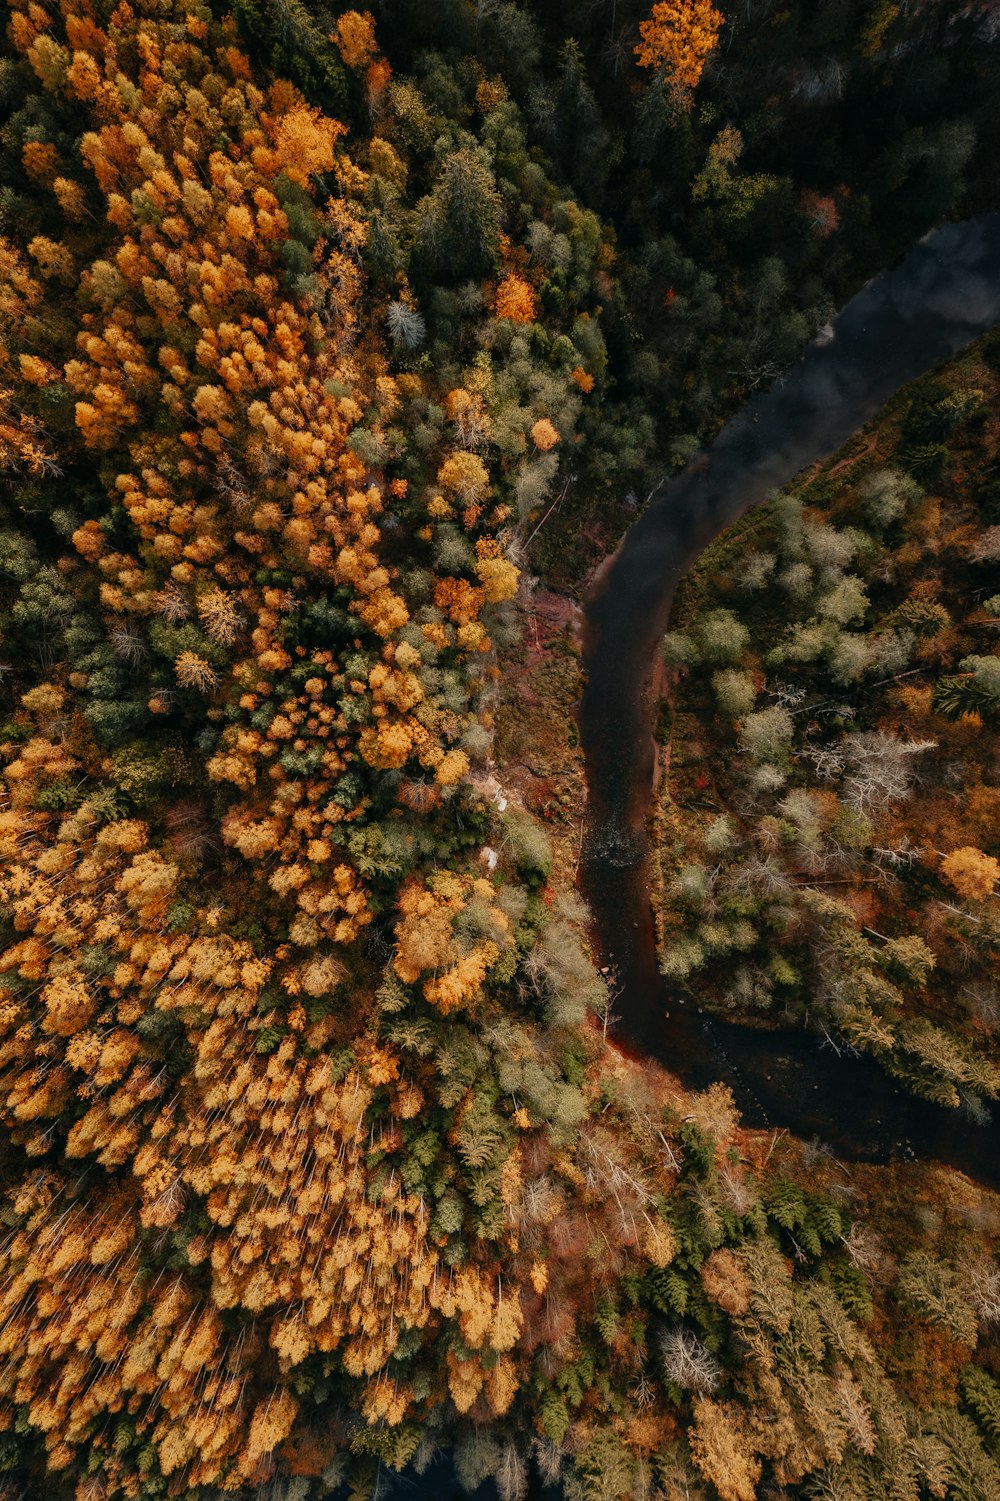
338,349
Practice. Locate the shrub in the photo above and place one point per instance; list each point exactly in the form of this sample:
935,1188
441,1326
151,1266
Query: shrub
887,495
721,637
528,843
767,734
735,692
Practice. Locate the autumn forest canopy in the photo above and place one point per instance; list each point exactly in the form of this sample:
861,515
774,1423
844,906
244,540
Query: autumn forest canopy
337,349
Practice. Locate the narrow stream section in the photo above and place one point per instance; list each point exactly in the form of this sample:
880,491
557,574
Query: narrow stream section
939,299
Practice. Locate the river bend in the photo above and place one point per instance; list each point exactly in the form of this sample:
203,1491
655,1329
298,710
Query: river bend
939,299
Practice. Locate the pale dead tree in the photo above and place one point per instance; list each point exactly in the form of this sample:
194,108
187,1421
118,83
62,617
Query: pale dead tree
231,484
959,912
471,423
981,1278
763,782
676,1162
680,1483
686,1362
220,616
986,548
604,1006
737,1194
756,374
818,83
832,1484
813,1151
194,672
865,1248
164,1209
837,1045
619,50
127,644
604,1169
540,1199
982,1001
761,879
855,1411
827,759
879,768
406,325
511,1474
785,694
173,604
548,1458
900,855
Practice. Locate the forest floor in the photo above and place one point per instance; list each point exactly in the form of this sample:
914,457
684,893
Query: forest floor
537,747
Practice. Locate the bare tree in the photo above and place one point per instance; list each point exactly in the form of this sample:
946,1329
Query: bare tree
981,1277
512,1474
879,768
686,1362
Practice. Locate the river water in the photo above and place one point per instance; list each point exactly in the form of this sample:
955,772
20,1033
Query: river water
938,300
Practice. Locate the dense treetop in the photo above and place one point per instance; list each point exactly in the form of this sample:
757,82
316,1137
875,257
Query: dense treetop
319,332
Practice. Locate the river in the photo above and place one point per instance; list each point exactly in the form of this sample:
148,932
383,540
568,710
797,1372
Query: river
937,301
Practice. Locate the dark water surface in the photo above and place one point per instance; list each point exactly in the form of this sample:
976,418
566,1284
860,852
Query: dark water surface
940,298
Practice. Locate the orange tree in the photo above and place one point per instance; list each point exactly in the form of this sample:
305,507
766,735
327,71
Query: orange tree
678,37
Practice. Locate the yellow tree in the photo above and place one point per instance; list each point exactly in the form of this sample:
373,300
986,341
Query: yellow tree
972,874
